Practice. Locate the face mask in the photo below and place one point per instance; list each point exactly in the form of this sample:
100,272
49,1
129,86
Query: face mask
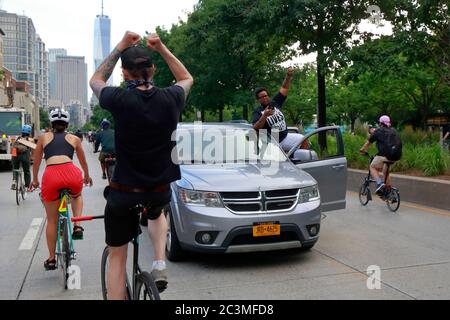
132,84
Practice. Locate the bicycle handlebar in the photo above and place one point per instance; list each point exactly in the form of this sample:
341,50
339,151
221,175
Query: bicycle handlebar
86,218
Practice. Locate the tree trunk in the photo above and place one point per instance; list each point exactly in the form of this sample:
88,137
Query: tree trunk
321,101
221,114
245,112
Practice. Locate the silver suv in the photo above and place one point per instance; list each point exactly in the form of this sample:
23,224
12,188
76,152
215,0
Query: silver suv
239,192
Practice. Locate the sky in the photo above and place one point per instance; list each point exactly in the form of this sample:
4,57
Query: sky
69,24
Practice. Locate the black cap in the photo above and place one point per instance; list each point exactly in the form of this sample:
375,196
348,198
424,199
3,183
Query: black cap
136,58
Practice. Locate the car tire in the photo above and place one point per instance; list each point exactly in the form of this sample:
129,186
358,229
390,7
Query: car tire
173,249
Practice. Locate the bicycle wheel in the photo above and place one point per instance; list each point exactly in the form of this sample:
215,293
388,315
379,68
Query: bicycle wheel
364,194
18,193
110,171
23,192
146,288
393,200
64,256
104,275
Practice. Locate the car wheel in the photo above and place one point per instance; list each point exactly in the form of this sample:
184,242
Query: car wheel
173,248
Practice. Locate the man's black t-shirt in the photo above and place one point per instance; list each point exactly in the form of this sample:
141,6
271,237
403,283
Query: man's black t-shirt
380,137
144,123
275,122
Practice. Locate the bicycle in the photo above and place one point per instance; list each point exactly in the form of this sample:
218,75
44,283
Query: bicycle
65,252
142,285
389,194
110,163
19,185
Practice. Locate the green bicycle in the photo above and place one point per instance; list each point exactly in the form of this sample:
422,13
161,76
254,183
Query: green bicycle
65,252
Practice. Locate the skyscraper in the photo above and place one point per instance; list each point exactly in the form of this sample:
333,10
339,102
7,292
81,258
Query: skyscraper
52,54
71,83
102,39
25,54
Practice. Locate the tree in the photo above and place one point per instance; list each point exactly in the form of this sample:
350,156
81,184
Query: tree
99,114
403,82
300,107
314,26
43,118
227,59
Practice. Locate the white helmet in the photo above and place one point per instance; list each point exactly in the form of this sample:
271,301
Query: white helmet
59,115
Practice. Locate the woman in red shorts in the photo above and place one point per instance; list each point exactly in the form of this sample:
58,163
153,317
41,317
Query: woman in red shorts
58,148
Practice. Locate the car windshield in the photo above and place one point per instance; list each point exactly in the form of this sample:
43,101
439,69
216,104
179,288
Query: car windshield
230,145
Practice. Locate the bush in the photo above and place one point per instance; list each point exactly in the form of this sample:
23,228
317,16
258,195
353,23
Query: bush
427,156
352,145
417,137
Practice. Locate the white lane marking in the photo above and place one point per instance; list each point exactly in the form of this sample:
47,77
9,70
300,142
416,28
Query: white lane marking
30,236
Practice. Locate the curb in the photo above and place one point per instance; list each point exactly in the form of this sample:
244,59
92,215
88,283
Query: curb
424,191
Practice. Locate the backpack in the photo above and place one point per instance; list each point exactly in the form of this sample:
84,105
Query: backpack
20,147
393,145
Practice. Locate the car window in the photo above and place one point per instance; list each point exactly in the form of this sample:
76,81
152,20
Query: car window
330,150
225,146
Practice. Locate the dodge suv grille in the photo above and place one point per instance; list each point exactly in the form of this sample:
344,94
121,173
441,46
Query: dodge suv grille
273,201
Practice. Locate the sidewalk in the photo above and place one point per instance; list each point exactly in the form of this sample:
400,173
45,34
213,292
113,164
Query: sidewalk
424,191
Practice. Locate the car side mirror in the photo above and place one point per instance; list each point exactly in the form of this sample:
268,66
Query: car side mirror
302,155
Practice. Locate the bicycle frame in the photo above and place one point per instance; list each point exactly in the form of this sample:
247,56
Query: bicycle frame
110,161
64,217
135,241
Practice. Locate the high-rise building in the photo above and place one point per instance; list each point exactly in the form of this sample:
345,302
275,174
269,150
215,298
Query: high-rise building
52,54
41,75
71,81
24,53
102,39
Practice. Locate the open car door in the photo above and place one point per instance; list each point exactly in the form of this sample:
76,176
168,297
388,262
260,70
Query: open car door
326,162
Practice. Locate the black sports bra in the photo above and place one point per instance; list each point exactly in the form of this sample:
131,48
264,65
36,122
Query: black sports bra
59,147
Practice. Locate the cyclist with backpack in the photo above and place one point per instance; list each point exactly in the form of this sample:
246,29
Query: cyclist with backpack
106,139
22,157
389,148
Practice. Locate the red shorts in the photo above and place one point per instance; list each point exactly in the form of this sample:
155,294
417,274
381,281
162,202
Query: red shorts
58,177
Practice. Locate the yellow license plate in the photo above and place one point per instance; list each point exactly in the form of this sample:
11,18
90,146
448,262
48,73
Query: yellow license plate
266,229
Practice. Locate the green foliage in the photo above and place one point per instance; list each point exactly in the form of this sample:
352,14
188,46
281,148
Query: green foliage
98,115
43,118
425,156
416,137
232,46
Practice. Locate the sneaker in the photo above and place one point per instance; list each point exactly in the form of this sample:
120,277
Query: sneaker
160,278
50,265
104,176
13,186
77,233
379,190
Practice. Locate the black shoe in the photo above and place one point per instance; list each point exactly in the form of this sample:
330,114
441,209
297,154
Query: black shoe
379,190
50,265
77,233
104,176
160,278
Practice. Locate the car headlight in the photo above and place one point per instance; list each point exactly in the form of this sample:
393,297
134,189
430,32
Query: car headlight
309,194
200,198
